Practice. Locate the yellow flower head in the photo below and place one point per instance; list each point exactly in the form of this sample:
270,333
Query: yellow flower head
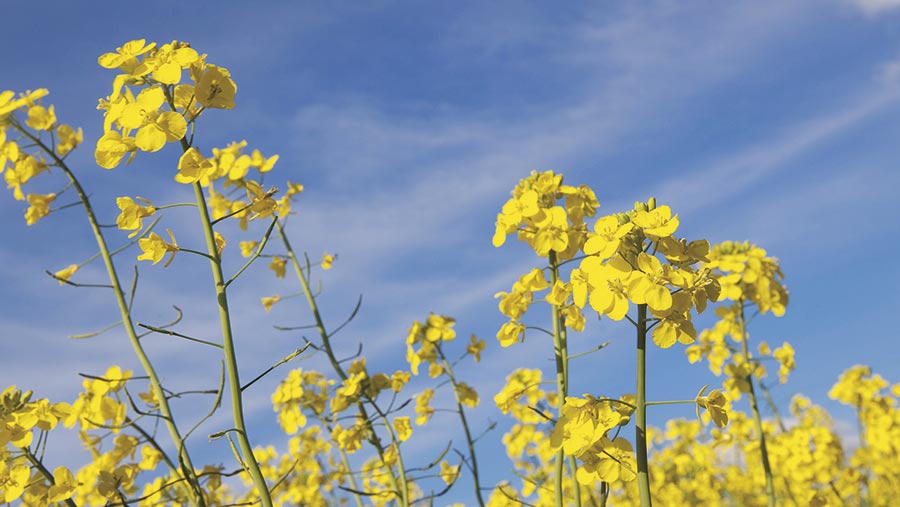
40,207
214,87
192,166
269,301
65,274
155,248
132,214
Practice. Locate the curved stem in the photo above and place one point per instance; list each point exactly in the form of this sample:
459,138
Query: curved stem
155,385
640,413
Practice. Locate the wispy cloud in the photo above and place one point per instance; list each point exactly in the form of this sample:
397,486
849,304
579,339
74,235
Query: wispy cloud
875,7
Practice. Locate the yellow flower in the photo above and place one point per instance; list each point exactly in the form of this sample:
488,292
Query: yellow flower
466,395
155,248
8,104
25,168
785,357
220,243
559,294
192,166
261,202
269,301
67,139
13,480
294,189
552,226
715,404
424,410
475,347
214,87
609,281
262,163
41,118
278,266
403,428
40,207
607,236
448,472
510,333
64,485
659,222
132,214
327,260
399,379
65,274
125,57
248,248
112,148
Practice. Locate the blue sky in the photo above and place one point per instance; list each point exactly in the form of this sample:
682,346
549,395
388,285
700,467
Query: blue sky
409,123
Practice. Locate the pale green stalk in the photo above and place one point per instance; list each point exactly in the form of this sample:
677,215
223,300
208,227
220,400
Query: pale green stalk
561,354
231,366
470,443
640,413
128,324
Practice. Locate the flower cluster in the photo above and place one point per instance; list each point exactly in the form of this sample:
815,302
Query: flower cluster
40,128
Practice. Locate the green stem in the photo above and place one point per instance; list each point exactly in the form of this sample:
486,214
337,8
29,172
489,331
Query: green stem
155,385
400,486
561,354
757,419
234,381
346,463
640,413
772,407
470,443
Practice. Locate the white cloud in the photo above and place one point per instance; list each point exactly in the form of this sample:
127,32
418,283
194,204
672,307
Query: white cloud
873,7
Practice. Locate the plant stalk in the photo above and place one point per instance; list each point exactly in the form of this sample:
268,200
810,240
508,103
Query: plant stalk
640,413
757,419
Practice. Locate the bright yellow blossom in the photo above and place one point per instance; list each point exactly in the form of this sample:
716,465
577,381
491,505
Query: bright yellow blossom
132,214
278,265
155,248
39,207
327,260
112,148
192,166
659,222
269,301
41,118
403,428
248,248
67,139
214,87
64,274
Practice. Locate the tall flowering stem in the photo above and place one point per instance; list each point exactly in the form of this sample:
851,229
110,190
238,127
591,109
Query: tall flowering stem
640,413
187,469
561,353
234,381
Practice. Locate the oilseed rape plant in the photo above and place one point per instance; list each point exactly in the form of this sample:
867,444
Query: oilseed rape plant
353,432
